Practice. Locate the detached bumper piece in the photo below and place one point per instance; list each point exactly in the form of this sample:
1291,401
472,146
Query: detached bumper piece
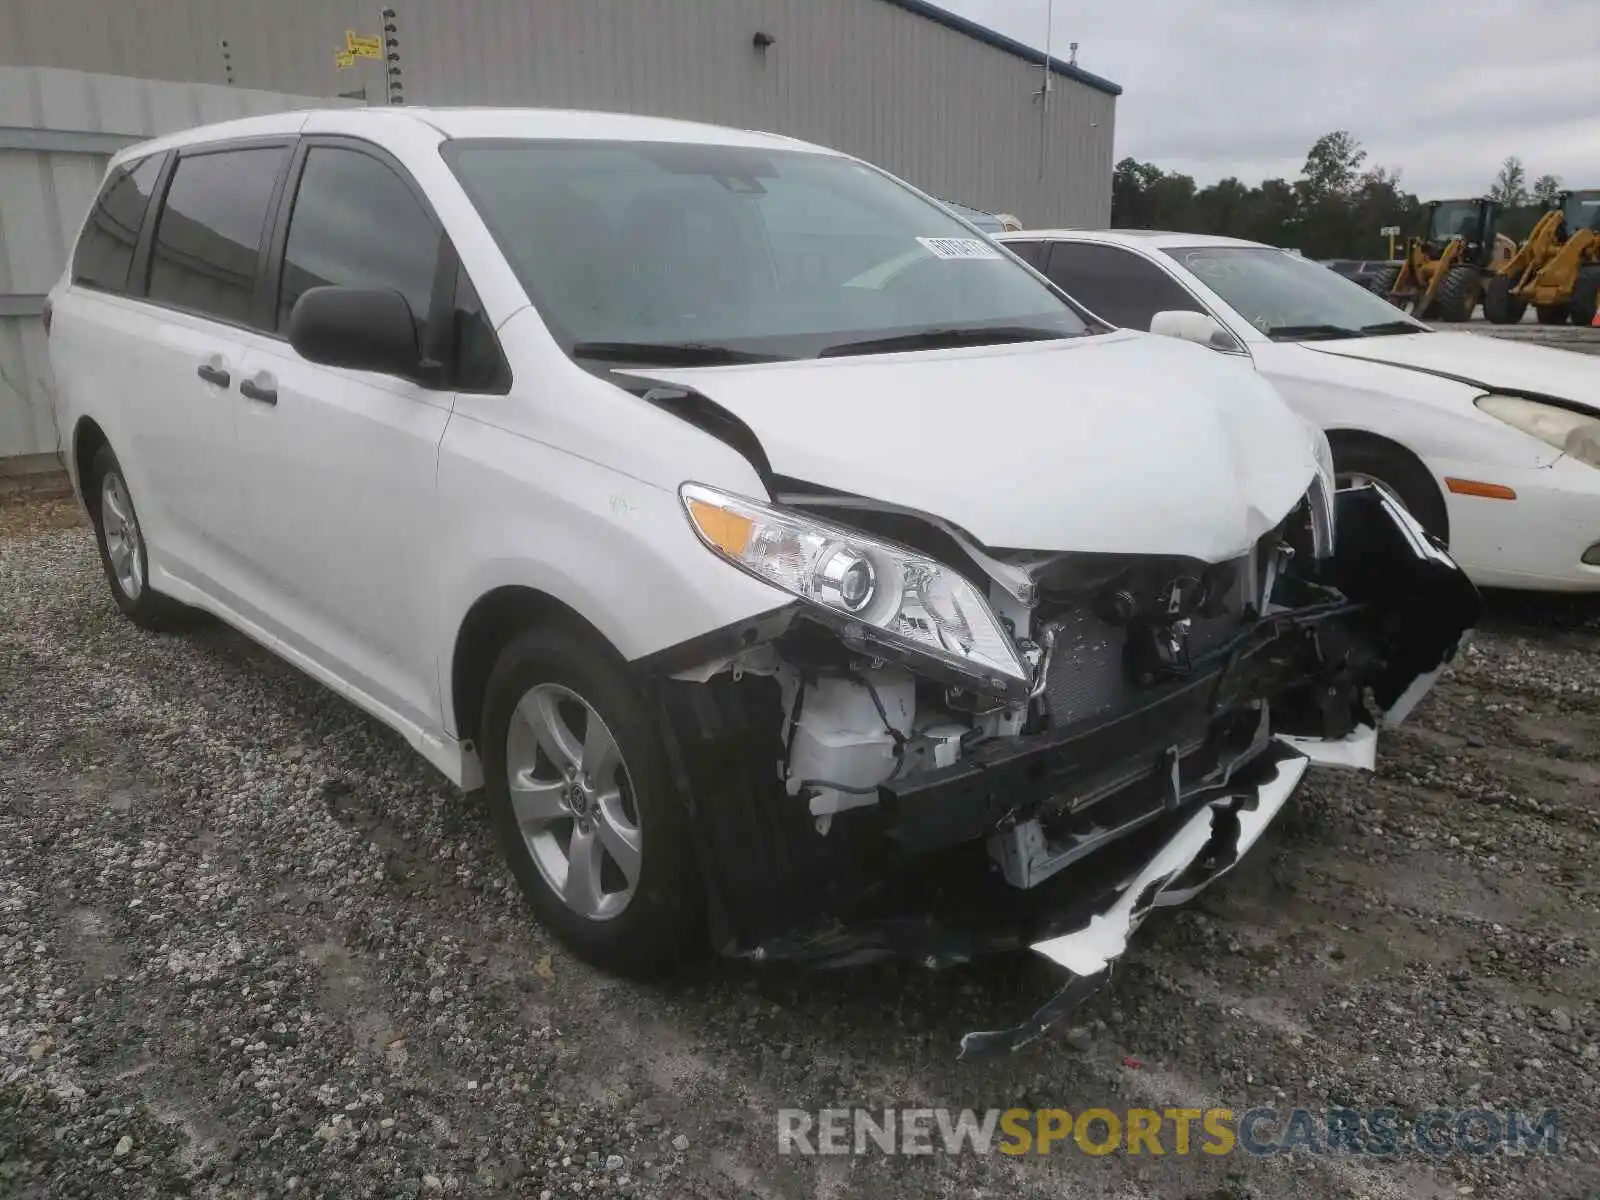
1204,848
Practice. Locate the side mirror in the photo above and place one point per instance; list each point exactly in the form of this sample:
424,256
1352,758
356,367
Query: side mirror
1201,328
364,329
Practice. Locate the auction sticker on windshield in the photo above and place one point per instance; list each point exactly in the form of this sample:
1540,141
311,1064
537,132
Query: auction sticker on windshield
959,248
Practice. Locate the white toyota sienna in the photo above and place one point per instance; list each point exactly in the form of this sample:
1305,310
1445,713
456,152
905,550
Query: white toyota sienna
797,570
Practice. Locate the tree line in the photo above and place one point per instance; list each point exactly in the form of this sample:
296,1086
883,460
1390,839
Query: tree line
1333,210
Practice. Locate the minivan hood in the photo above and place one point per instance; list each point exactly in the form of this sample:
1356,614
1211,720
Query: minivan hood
1482,361
1117,443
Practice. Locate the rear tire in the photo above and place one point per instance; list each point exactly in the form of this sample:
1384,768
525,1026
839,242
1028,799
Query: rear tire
641,925
1500,307
1551,314
1457,295
1585,297
1378,462
124,555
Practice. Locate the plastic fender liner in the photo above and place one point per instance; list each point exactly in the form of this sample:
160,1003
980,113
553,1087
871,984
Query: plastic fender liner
1421,602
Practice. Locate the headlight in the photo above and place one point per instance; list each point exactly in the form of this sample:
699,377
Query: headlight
889,594
1575,433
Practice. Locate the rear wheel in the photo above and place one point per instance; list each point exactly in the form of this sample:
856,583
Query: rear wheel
123,553
1551,314
1585,296
1500,307
585,807
1457,295
1357,463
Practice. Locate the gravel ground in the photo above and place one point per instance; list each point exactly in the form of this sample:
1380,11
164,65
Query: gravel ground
251,945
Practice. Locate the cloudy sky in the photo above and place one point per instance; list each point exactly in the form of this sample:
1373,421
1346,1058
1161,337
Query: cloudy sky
1443,90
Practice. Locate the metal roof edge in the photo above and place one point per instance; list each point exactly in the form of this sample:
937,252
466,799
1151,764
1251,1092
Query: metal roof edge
1000,41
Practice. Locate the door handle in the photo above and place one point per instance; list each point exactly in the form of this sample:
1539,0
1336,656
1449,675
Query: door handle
212,374
264,393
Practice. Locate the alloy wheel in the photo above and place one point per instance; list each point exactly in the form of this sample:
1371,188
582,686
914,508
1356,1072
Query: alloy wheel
124,543
573,801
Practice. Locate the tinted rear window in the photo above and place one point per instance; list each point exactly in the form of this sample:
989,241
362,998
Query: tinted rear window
106,246
208,241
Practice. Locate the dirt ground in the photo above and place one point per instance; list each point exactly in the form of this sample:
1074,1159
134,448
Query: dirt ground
251,945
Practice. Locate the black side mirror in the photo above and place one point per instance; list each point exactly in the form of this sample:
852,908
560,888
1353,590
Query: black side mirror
365,329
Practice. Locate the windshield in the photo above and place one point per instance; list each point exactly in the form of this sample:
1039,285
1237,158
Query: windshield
1454,218
1288,298
1582,211
659,249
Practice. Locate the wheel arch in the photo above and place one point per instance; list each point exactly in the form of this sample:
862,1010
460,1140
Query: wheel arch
87,440
493,620
1343,441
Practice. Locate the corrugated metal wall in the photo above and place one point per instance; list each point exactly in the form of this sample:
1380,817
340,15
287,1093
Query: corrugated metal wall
57,129
953,115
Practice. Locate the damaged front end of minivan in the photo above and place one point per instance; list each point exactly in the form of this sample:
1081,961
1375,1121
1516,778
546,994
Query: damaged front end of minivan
939,749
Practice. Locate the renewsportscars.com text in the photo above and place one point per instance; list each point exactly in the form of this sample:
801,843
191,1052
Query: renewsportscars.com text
1384,1132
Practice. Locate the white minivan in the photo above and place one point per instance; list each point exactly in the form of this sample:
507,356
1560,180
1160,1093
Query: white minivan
780,601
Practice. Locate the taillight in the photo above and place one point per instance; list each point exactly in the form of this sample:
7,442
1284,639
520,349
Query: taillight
49,310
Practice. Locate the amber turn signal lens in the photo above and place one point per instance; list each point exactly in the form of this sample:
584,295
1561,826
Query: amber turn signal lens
727,531
1472,487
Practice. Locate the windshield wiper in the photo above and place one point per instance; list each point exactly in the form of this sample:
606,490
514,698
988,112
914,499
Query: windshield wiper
938,339
1309,332
683,354
1383,327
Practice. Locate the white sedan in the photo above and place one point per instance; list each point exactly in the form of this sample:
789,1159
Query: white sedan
1493,445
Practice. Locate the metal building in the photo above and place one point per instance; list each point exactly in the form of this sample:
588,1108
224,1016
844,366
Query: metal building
955,108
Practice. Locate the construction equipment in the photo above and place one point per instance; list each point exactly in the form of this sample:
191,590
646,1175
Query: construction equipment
1443,272
1557,270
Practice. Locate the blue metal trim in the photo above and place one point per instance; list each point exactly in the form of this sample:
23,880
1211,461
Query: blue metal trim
1010,45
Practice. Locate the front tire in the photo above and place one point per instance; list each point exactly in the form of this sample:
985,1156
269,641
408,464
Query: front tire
1457,295
1551,314
124,555
584,805
1383,283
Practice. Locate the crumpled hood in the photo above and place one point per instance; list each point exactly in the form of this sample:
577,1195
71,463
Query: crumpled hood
1482,361
1120,443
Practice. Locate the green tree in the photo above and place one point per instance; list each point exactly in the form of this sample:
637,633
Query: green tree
1547,191
1333,166
1510,186
1334,210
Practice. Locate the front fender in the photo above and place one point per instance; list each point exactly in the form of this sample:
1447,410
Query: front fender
616,551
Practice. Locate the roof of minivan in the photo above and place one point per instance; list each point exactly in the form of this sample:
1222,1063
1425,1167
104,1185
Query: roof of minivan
551,123
1160,239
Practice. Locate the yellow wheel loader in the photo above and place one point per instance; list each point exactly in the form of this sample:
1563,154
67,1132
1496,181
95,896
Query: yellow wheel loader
1557,270
1442,275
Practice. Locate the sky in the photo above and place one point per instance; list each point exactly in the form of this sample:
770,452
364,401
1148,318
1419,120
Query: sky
1441,90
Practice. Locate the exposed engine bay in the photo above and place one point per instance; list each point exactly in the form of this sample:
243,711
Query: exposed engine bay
1120,737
